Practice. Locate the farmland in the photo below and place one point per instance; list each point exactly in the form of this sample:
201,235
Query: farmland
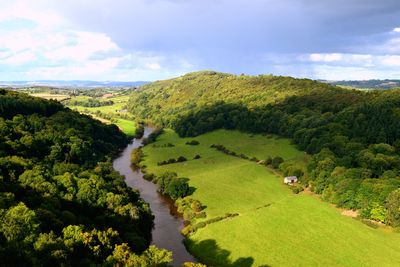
272,220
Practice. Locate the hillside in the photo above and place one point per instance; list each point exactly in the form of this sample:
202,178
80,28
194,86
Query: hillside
354,136
61,202
162,101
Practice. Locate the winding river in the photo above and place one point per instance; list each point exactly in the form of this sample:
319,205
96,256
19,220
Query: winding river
167,224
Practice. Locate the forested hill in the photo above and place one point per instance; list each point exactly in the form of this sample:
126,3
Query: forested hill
354,136
61,202
162,101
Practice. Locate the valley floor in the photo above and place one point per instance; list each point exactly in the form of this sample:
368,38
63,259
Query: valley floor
275,227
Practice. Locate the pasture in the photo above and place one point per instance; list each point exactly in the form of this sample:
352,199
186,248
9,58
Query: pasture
115,111
275,227
48,96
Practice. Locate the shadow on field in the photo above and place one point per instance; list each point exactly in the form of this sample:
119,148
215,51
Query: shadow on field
208,252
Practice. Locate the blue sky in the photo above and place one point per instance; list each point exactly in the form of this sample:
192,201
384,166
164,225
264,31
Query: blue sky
130,40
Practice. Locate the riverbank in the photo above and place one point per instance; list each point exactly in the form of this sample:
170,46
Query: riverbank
167,225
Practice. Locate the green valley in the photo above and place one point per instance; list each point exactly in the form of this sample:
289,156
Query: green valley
275,227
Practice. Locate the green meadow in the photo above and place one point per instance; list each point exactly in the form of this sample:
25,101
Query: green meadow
126,125
275,227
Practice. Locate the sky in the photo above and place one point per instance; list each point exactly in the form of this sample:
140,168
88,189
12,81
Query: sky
131,40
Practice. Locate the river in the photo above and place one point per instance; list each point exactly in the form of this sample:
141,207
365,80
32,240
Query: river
167,224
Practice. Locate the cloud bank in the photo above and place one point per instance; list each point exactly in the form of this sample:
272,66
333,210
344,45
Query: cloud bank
156,39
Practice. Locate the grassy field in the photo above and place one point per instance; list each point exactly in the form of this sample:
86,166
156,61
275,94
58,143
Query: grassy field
275,227
126,125
119,103
51,96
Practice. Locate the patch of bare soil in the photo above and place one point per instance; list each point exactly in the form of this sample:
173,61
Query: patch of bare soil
350,213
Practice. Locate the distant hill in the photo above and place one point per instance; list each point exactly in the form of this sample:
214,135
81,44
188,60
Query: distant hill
72,83
369,84
162,101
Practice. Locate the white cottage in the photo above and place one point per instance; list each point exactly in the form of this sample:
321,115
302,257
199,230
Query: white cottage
290,180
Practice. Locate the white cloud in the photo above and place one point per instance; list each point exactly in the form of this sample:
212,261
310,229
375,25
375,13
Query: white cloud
397,29
19,59
79,45
45,46
326,57
153,66
391,61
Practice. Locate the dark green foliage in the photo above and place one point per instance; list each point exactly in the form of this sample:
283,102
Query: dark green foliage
139,130
276,161
192,143
136,156
393,208
197,156
172,160
169,184
296,188
153,136
61,202
90,103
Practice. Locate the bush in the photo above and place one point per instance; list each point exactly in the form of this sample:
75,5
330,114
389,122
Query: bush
181,159
177,188
192,143
297,188
187,230
268,161
276,161
201,215
153,136
188,215
136,157
197,156
139,130
149,176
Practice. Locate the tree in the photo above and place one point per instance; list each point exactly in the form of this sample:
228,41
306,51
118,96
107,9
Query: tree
177,188
393,208
276,161
19,223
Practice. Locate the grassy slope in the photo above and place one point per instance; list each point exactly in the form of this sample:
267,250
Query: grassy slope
296,230
127,126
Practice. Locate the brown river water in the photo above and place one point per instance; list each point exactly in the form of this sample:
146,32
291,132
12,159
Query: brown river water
167,223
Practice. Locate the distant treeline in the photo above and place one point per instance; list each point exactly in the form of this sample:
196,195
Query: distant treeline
89,103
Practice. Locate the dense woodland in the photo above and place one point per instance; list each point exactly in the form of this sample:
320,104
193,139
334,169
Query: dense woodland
61,202
354,136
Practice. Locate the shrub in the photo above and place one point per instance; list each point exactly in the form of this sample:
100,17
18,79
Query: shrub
188,215
187,230
201,215
181,159
276,161
297,188
197,156
136,156
149,176
177,188
192,143
139,130
170,161
268,161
